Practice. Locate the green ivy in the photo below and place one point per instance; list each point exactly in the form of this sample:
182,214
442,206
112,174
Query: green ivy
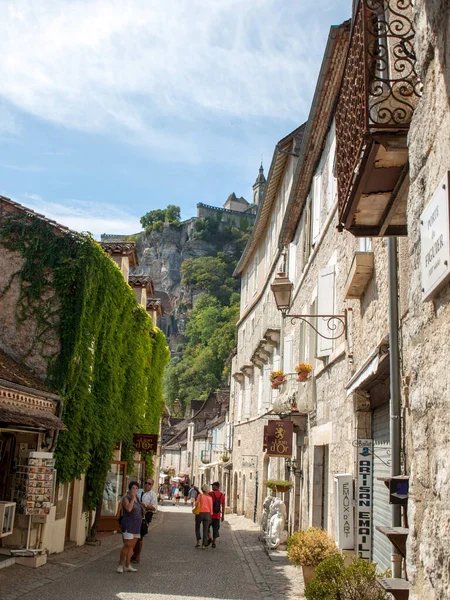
110,360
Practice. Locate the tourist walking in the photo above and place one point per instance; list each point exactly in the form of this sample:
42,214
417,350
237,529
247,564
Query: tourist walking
204,516
149,503
132,514
193,493
186,489
218,512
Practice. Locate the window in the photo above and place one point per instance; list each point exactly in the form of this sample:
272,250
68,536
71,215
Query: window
316,206
365,244
331,191
248,399
266,387
302,350
291,261
255,273
325,306
260,390
307,232
287,358
239,410
245,289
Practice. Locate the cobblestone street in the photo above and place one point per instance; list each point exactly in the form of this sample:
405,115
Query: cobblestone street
238,569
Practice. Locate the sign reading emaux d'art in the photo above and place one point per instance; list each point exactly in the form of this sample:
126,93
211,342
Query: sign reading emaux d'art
435,241
144,442
279,438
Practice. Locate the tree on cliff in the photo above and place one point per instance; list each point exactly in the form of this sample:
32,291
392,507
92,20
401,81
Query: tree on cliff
210,335
155,219
212,274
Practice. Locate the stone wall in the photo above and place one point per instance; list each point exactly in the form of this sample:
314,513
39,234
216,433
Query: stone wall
428,342
16,337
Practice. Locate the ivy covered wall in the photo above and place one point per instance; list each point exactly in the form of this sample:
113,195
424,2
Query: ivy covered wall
109,365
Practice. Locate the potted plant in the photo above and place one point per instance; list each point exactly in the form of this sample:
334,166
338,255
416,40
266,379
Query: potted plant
279,485
309,548
303,370
225,458
336,579
277,378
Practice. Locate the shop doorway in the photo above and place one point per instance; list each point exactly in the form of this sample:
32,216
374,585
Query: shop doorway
115,488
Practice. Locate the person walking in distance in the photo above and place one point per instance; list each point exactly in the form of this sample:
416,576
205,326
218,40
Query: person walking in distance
218,512
204,516
186,488
193,493
149,502
130,525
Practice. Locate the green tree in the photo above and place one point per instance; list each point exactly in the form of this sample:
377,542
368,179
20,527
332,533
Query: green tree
210,335
155,219
212,274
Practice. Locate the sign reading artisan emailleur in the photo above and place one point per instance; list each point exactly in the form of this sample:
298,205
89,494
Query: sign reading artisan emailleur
364,498
279,438
435,241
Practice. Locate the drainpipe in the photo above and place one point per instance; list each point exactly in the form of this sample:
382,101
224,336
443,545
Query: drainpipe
395,401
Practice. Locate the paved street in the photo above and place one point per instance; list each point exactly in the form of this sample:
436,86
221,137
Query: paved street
238,569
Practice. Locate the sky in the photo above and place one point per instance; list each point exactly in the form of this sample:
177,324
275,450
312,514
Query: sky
109,109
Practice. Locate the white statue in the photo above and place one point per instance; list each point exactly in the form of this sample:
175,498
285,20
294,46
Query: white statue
276,533
265,519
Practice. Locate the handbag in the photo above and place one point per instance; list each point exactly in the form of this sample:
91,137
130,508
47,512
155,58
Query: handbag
144,528
196,509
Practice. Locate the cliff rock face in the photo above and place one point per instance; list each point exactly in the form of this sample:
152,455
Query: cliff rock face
161,254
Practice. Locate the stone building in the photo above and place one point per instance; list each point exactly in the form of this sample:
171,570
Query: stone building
392,171
258,335
30,412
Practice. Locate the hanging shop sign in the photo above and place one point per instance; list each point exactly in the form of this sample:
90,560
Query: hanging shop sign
343,494
144,442
279,438
265,439
364,498
435,241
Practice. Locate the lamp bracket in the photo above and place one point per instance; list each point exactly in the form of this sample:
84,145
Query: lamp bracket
336,324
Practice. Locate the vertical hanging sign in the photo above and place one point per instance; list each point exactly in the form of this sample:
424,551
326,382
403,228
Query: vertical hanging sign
279,438
364,498
343,497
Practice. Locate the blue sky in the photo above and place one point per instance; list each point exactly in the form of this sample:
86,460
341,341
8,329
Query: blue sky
109,108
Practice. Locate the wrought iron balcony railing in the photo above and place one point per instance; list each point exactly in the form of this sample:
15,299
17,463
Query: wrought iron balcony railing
379,92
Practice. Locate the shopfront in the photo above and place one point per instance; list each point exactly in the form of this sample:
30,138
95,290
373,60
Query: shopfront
29,428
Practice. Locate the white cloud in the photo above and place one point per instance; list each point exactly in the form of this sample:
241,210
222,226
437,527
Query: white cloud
82,215
153,71
22,168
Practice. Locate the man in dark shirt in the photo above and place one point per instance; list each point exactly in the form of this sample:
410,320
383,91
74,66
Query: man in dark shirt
218,512
186,489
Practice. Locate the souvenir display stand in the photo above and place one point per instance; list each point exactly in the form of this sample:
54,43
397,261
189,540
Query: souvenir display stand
34,492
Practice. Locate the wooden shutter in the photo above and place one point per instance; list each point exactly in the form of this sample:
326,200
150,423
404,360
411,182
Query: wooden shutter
325,306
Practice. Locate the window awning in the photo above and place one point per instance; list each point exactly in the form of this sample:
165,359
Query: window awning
209,465
28,417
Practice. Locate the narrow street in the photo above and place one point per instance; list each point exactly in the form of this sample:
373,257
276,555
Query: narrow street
238,569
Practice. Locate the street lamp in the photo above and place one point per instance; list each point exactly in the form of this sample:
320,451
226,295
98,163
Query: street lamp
176,406
282,290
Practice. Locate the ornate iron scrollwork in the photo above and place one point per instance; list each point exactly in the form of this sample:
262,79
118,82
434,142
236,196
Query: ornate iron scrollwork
380,86
334,323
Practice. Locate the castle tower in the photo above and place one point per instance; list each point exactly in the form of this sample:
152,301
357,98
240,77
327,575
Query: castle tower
258,186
